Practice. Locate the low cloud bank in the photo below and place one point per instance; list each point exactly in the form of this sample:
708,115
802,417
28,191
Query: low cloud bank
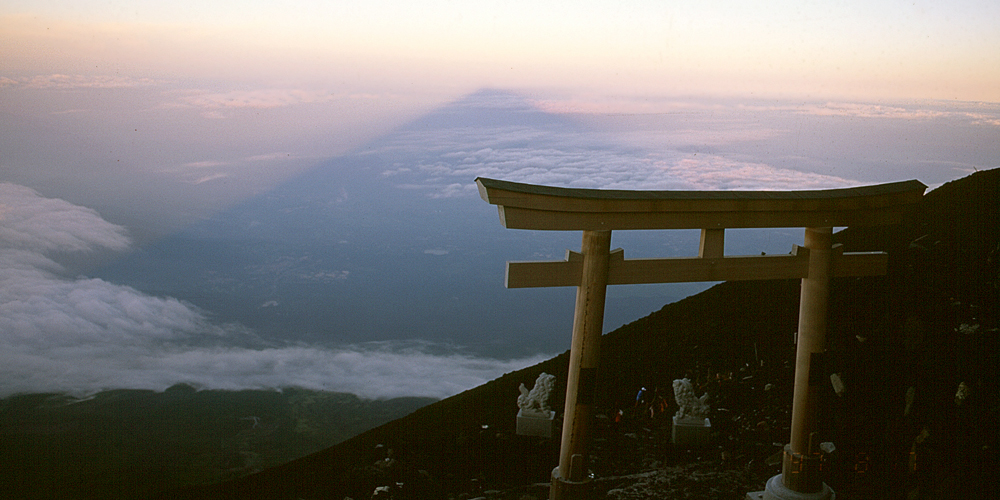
81,335
256,99
385,371
65,82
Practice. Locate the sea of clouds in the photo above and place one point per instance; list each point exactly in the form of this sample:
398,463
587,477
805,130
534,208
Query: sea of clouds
64,333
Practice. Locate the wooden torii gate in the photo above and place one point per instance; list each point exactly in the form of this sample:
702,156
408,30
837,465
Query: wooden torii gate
598,212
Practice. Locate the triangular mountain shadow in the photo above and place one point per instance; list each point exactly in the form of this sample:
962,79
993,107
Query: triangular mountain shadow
904,344
489,108
349,252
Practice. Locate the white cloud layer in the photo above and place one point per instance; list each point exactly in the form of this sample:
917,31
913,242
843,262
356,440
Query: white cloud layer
257,99
986,113
445,161
31,222
64,82
80,335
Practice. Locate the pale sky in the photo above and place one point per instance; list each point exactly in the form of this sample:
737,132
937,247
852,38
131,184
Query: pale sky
881,50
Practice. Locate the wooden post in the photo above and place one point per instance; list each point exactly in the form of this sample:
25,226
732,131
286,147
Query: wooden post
570,477
800,466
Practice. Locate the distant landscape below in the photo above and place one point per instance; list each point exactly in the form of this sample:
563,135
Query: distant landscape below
133,443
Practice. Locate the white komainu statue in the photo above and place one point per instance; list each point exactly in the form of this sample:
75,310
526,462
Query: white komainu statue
536,402
690,405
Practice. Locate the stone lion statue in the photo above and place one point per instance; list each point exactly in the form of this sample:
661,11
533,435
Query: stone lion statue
536,401
690,405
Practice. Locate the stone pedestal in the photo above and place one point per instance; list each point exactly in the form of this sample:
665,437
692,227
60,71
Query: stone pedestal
531,424
775,489
691,432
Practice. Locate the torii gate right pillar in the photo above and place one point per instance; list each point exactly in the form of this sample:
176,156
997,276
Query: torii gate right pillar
800,471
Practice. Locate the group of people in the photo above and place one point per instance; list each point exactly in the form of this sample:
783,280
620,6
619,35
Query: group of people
647,405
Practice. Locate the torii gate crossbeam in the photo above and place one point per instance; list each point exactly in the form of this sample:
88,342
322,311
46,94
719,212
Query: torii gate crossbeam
598,212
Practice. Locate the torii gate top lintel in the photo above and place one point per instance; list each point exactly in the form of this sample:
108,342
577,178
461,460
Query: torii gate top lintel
529,206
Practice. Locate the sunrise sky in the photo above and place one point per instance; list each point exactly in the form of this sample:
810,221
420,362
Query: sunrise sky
858,49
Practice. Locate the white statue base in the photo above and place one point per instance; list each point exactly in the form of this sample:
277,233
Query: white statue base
534,424
775,489
691,432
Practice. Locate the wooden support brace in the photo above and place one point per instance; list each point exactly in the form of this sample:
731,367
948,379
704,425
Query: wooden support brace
691,269
713,242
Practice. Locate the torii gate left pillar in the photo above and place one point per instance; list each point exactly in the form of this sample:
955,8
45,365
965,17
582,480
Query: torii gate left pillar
597,212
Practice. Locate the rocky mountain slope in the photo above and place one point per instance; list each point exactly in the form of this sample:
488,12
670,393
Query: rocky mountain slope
917,350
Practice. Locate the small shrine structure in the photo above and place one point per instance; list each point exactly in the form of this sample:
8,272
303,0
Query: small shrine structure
598,212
